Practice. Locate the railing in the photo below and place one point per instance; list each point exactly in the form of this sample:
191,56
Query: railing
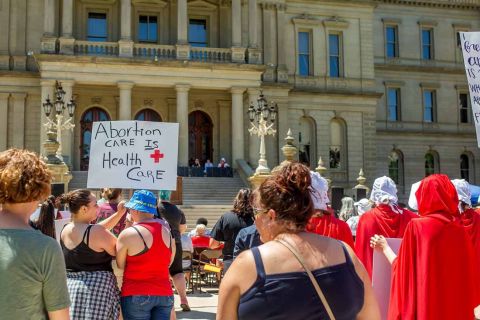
154,51
210,54
96,48
202,172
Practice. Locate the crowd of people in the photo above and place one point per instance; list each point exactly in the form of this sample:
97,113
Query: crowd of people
297,258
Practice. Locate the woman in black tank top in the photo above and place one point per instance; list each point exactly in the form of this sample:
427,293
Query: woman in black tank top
88,251
275,283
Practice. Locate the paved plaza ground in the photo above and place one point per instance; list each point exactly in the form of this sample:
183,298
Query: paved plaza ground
203,305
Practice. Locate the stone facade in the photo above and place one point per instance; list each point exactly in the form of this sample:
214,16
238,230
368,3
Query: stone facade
252,46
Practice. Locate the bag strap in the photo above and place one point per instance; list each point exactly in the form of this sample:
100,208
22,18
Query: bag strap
310,275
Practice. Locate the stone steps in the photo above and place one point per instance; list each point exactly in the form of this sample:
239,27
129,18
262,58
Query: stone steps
210,212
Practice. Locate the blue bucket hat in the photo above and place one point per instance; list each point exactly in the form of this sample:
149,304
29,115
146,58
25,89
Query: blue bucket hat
143,201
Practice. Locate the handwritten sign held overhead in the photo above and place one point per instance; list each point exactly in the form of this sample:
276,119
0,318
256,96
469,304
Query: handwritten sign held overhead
471,57
134,155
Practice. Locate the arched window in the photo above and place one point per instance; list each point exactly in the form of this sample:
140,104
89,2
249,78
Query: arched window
464,167
307,141
467,169
337,144
395,167
148,115
91,115
431,163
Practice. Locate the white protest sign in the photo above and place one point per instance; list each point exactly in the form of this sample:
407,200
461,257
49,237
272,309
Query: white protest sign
471,57
134,155
381,276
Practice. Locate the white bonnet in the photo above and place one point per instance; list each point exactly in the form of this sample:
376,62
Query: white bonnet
319,191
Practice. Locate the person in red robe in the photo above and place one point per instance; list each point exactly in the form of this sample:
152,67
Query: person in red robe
434,275
468,216
386,219
323,222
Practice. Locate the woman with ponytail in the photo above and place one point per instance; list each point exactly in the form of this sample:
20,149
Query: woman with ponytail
88,251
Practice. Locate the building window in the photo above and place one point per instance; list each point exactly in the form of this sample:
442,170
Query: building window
427,44
97,27
147,29
395,167
148,115
393,103
197,33
459,41
86,122
432,163
429,103
392,41
335,59
337,143
463,101
304,53
465,167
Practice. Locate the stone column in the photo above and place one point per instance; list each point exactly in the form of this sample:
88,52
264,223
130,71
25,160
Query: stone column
47,87
182,119
49,18
66,40
183,48
238,145
126,44
49,38
253,140
3,120
18,139
282,124
236,23
269,41
238,53
68,136
17,35
125,107
254,53
282,73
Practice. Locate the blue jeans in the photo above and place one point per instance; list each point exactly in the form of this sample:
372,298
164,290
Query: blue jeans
146,307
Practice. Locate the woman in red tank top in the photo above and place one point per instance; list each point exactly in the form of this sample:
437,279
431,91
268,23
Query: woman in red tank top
145,251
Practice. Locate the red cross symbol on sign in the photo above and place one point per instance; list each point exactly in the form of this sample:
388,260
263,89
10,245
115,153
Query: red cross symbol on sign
156,155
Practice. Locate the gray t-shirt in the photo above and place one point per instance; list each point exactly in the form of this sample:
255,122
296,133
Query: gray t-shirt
33,278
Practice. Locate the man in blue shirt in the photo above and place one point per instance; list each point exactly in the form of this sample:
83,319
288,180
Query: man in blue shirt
246,239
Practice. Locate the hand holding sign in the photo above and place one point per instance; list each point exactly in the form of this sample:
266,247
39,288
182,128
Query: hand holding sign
133,154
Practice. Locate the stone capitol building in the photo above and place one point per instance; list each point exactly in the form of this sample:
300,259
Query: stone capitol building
377,85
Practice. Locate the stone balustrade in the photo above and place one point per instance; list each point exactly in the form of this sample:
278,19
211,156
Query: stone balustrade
145,50
210,54
96,48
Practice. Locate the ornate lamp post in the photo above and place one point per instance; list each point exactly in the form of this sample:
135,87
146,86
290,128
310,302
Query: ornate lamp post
59,124
53,145
262,118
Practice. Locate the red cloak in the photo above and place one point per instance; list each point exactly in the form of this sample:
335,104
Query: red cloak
381,220
471,222
433,276
329,226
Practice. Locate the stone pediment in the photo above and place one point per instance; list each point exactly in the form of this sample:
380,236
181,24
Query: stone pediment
158,2
202,4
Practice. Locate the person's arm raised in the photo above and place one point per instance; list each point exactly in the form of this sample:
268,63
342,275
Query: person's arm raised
112,221
379,243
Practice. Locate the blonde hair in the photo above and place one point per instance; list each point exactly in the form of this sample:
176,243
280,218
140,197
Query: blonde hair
200,229
24,177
